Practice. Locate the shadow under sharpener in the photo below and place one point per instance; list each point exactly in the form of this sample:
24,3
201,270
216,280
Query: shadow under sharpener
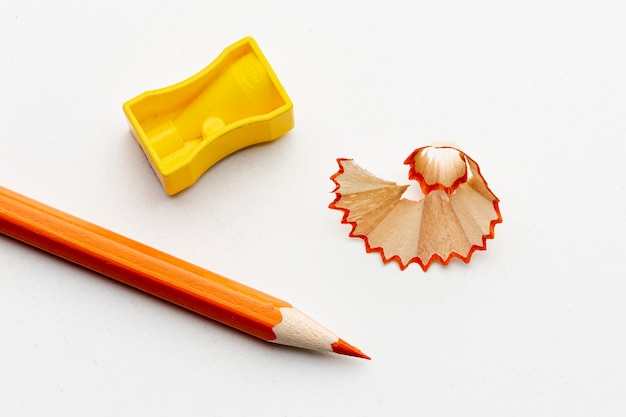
235,102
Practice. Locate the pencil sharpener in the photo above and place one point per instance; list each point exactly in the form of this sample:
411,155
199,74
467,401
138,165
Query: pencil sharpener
235,102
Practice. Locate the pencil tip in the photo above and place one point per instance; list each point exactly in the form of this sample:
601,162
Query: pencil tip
344,348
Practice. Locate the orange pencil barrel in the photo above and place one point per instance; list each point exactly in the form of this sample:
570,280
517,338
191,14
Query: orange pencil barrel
139,266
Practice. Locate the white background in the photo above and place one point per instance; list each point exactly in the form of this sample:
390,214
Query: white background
534,91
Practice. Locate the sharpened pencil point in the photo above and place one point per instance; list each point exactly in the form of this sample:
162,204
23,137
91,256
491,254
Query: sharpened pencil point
344,348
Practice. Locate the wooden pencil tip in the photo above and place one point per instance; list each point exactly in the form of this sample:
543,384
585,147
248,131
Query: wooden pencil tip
344,348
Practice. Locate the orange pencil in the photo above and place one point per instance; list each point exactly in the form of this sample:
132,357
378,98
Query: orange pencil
163,275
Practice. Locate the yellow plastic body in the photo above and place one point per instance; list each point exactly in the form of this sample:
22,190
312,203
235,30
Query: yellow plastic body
186,128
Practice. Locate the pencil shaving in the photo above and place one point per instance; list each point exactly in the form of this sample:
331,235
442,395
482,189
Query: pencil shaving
456,216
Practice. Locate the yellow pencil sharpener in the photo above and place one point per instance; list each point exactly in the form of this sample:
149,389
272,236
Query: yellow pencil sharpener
186,128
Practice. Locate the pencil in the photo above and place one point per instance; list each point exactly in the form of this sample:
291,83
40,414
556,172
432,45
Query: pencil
164,276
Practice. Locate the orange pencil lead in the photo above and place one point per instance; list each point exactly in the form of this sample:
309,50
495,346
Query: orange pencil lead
344,348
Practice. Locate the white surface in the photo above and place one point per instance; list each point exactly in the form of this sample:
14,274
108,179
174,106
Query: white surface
534,91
